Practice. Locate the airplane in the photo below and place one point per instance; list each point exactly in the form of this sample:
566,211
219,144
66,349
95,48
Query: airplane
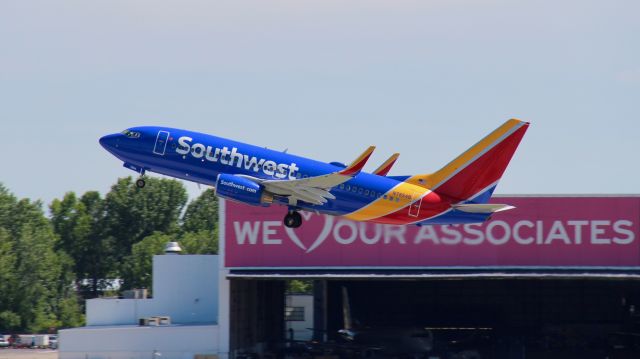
457,193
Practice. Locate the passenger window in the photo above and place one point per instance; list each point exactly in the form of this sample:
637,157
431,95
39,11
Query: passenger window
354,189
385,196
366,192
348,187
342,186
360,191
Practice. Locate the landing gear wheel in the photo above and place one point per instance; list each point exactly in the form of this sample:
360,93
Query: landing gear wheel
140,183
293,219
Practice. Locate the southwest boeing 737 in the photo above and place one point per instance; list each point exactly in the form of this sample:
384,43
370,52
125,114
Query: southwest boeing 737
457,193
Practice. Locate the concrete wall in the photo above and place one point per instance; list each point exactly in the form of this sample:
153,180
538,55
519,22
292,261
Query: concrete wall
133,342
185,287
188,286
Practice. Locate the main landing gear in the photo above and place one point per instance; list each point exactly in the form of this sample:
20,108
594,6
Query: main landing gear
293,219
140,182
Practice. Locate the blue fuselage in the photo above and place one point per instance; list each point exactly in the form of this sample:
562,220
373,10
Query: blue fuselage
201,158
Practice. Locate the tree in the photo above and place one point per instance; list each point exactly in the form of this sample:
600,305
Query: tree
78,225
7,203
132,213
36,276
200,225
92,238
201,213
198,235
9,320
300,286
201,242
37,271
138,265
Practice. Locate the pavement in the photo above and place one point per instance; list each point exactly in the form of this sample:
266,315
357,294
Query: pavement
28,354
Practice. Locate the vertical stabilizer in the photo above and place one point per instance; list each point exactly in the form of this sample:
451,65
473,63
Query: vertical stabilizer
473,175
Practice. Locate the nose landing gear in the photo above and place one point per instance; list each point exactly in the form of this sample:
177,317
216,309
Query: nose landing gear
293,219
140,182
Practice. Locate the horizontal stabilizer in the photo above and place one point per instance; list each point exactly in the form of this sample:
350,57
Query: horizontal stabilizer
482,208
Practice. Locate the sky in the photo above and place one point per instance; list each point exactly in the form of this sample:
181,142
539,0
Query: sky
324,79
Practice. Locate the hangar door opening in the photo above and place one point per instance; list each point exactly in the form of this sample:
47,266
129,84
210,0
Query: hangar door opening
256,317
498,318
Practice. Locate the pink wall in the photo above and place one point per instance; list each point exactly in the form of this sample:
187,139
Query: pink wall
541,231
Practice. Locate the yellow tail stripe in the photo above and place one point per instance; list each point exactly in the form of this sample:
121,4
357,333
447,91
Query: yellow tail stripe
406,192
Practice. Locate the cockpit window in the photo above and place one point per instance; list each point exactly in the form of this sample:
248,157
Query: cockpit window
131,134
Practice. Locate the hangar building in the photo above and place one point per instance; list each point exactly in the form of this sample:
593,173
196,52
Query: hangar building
556,277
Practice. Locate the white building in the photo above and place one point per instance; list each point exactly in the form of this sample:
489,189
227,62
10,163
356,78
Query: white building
299,316
188,289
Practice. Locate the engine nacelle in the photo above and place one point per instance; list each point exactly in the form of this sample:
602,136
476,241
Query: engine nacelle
242,190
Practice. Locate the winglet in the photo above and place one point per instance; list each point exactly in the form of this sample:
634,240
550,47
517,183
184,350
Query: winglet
386,166
356,166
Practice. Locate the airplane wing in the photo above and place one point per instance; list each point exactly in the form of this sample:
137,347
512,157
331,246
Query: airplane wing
386,166
315,190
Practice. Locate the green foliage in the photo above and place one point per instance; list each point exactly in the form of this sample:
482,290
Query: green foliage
9,321
99,234
34,274
7,268
198,235
48,264
201,242
132,213
70,313
200,225
202,213
137,266
300,286
78,224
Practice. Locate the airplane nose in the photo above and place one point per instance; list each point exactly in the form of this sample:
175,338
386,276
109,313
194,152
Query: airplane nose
109,141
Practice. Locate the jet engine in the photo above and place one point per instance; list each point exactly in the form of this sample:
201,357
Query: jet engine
243,190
